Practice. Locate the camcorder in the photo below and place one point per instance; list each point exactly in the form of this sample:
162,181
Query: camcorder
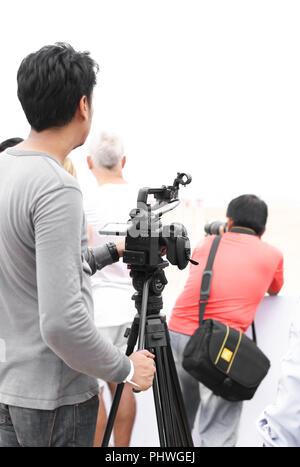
147,240
146,237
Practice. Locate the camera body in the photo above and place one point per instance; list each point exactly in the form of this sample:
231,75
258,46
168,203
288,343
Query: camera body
143,239
146,237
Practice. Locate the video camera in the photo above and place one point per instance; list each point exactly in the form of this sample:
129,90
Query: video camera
146,237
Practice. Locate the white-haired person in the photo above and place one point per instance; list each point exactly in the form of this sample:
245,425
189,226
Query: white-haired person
111,201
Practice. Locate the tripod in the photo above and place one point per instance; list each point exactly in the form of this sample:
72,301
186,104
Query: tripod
150,328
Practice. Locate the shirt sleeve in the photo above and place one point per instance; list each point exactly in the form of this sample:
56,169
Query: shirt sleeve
278,424
278,280
65,322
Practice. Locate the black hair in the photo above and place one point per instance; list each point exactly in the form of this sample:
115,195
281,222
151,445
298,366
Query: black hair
248,211
51,83
8,143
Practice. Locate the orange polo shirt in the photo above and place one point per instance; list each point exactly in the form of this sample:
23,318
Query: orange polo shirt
244,269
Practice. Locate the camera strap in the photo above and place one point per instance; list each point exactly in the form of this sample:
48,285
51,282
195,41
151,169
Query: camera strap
206,283
207,278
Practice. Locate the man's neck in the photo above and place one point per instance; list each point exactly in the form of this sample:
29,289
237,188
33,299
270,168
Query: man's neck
55,142
105,177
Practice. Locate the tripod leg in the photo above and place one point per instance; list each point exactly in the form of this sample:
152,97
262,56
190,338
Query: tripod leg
158,411
170,411
112,415
182,421
178,439
166,408
119,390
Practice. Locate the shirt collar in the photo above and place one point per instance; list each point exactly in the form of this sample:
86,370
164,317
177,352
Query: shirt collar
244,230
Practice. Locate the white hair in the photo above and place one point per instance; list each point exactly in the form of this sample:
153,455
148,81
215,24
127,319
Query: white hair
106,150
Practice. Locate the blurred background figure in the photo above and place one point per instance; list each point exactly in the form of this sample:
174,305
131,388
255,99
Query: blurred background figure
279,423
9,143
69,167
111,201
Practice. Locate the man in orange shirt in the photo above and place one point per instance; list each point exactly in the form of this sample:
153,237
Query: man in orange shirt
244,269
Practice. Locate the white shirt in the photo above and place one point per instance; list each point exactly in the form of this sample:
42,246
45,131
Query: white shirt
112,286
279,424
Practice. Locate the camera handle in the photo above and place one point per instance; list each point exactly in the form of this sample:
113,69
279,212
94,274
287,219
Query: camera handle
143,315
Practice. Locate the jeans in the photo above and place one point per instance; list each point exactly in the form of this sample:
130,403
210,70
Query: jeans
219,419
66,426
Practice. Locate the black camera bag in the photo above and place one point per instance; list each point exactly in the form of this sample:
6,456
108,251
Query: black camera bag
222,358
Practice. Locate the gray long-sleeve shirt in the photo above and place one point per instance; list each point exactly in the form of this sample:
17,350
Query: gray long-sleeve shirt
50,350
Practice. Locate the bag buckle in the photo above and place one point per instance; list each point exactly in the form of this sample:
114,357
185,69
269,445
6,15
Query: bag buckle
205,287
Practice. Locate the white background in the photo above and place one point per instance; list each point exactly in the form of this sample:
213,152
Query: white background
208,87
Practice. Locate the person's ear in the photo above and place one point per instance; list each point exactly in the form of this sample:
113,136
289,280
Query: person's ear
84,108
90,162
229,224
123,162
261,234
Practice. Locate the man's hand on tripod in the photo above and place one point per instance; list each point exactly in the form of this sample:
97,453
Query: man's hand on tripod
144,369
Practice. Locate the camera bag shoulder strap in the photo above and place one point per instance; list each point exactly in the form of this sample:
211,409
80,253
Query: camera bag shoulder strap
206,283
207,277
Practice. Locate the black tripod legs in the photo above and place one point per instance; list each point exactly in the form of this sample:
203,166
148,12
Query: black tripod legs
173,428
171,418
170,412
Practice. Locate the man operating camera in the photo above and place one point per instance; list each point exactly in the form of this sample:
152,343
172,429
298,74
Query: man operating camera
52,353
